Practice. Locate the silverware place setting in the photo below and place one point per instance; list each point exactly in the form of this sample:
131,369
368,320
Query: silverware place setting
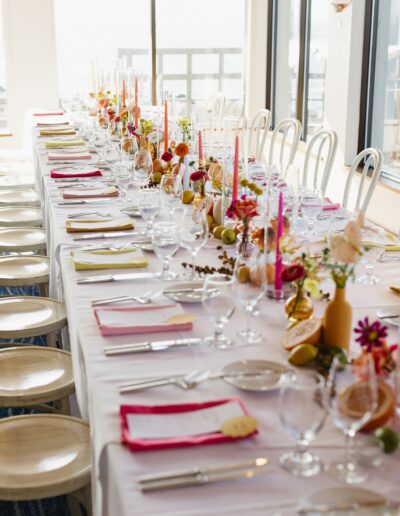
144,299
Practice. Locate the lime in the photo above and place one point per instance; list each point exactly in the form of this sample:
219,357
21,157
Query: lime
217,232
389,438
303,354
228,236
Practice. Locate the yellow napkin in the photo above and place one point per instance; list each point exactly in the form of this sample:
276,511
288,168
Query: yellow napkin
76,226
64,143
94,260
57,132
386,247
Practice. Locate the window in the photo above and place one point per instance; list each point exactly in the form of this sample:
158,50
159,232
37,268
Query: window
3,100
383,105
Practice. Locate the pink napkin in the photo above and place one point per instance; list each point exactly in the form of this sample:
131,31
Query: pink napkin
174,442
56,174
136,326
68,156
90,193
330,205
49,113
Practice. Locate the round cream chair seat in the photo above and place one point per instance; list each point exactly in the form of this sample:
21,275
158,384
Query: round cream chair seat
19,198
42,456
20,216
33,375
30,316
22,239
17,182
17,271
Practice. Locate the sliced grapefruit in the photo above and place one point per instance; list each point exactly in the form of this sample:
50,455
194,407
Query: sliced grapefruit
351,404
308,331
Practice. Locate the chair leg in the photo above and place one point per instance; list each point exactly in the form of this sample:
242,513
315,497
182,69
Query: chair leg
51,340
63,406
43,290
81,497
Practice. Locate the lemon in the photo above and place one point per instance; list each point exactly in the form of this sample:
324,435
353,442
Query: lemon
243,274
303,354
156,177
187,197
389,438
218,231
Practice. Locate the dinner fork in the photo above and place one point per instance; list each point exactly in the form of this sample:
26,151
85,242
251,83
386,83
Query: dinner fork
144,299
186,382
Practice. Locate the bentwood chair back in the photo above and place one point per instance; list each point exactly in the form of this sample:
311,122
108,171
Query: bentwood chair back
284,143
373,159
321,151
236,108
215,109
258,132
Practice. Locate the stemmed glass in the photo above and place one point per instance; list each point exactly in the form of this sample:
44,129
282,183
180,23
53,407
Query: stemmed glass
250,273
171,192
311,207
149,207
219,303
371,254
352,400
143,162
165,243
194,234
123,173
302,411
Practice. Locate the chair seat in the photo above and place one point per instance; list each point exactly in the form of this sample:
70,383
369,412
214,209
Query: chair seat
29,316
17,182
17,271
18,216
10,168
42,456
22,239
33,375
19,198
14,155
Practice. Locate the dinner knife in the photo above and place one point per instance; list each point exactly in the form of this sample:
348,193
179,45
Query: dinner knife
87,201
106,234
107,278
346,507
150,346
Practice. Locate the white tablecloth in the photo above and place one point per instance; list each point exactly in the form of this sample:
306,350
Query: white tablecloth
98,377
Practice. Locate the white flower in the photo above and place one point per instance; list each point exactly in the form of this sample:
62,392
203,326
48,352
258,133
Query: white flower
346,247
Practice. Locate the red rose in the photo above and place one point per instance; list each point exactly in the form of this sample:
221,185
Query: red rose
167,156
292,272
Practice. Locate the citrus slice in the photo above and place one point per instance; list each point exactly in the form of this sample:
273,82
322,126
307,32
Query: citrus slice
351,403
302,355
308,331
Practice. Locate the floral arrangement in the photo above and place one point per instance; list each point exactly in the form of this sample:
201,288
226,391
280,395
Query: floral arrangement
145,131
199,179
243,209
185,126
104,98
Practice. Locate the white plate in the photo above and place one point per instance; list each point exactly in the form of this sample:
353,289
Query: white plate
268,379
335,495
395,321
185,297
131,211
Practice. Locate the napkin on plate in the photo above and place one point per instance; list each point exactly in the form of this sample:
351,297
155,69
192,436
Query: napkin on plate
57,132
56,121
72,172
76,226
94,260
142,319
49,113
71,142
64,156
207,417
329,205
90,192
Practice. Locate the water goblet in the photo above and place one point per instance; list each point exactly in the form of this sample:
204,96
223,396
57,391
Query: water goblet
171,192
373,241
302,411
149,207
122,172
311,207
352,400
194,235
219,303
165,242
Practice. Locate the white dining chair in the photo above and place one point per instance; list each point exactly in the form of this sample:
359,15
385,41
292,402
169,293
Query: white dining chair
235,108
22,240
215,109
28,197
258,129
284,143
17,216
373,159
321,151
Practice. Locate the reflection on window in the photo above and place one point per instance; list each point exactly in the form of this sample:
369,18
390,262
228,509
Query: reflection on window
385,132
3,101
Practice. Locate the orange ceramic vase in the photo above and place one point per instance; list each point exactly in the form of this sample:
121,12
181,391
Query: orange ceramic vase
337,321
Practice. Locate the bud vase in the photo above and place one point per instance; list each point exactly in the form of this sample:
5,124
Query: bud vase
337,321
299,306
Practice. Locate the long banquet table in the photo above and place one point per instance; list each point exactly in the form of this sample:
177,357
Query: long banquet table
97,378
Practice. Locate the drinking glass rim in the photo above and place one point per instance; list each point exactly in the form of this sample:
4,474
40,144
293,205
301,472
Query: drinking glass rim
290,379
220,279
164,224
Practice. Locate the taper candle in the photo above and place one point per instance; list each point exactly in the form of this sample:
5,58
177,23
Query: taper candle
166,126
279,232
200,147
235,181
136,103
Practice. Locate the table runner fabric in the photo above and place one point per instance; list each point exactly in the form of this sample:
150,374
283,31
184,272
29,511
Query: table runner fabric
97,379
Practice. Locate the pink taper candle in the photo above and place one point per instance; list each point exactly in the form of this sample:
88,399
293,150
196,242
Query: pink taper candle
166,126
235,182
200,147
136,104
279,231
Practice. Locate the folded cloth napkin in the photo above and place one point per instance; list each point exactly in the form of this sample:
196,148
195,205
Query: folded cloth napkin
73,142
90,193
94,260
385,247
49,113
63,156
329,205
142,319
76,226
56,121
74,173
204,413
57,132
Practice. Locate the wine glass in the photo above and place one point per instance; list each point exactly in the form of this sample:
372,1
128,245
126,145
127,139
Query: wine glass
122,173
171,192
129,147
250,273
194,234
302,411
149,207
112,152
371,254
352,400
219,303
143,162
165,243
311,207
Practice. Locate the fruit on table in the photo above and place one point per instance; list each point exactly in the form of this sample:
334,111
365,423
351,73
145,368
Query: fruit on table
349,403
217,232
228,236
389,438
219,210
187,197
243,274
157,166
156,177
308,331
210,221
303,354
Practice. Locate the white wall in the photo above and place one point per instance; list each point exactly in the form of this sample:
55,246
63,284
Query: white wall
30,60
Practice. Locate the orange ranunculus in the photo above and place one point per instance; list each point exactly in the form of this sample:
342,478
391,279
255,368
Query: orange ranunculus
123,113
182,150
103,102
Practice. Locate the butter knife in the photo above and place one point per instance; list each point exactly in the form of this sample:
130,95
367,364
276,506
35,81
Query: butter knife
108,278
106,234
346,507
150,346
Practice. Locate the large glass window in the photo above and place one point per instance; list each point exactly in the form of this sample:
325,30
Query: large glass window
3,101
